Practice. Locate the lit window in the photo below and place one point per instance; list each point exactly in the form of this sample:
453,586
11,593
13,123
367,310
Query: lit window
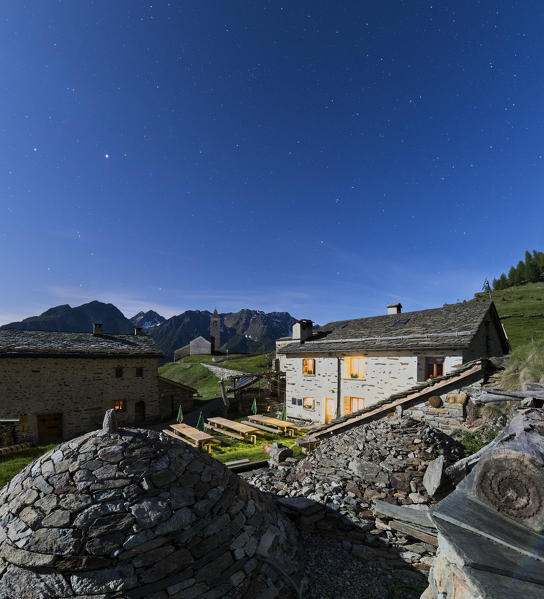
354,368
139,372
23,423
308,366
434,367
120,405
119,372
308,403
353,404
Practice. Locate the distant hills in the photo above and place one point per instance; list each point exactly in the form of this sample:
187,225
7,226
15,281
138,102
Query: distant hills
246,331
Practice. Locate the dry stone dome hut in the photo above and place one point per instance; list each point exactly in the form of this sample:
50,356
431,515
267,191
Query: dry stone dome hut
133,513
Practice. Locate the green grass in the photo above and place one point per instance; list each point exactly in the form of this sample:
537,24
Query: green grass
253,364
474,441
525,299
189,371
10,465
526,365
231,449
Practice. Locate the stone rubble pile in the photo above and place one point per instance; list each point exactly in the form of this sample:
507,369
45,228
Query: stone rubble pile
136,514
332,490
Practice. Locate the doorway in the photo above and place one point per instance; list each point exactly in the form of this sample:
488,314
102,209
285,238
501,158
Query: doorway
329,409
49,428
139,412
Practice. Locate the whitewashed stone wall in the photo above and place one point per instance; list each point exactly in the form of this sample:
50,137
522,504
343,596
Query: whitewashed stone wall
79,388
385,374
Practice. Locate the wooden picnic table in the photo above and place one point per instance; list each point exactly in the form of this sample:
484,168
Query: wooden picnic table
232,428
193,436
285,426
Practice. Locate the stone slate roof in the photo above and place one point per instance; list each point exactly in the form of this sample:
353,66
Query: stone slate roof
16,343
163,379
452,326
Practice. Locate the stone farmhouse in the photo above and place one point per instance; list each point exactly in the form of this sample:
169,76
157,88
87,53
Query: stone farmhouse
59,384
347,366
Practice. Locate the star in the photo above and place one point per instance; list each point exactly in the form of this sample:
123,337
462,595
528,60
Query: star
106,155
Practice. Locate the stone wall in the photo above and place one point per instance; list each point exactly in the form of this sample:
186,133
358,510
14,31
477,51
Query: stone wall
171,396
81,389
385,374
448,416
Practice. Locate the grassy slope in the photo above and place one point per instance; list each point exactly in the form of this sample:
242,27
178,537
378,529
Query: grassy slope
524,299
10,465
190,371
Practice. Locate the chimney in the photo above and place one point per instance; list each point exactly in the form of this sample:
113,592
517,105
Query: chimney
137,331
394,308
302,330
97,328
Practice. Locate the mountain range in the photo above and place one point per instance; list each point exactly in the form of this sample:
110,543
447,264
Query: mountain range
246,331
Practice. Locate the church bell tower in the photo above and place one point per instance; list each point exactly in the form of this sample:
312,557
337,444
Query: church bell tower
215,331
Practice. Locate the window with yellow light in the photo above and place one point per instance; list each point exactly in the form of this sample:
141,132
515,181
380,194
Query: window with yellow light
308,366
354,367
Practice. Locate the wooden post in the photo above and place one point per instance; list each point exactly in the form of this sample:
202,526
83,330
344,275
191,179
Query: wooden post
224,394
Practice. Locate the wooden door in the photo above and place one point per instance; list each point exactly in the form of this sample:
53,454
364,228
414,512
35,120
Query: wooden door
329,409
139,412
49,428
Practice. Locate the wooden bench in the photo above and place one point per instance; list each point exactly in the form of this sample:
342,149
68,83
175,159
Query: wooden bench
167,432
236,463
261,427
224,431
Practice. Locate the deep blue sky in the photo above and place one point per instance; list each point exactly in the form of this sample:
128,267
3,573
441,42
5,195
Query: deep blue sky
324,158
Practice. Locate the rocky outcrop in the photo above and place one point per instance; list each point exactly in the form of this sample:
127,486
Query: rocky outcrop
491,528
332,491
135,514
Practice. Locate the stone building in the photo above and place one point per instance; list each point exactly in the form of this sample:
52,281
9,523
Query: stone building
215,331
133,513
201,346
349,365
59,384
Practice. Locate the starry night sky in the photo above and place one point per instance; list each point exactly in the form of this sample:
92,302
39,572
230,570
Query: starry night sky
323,158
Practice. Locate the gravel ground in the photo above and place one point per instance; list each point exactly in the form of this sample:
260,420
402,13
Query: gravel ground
333,572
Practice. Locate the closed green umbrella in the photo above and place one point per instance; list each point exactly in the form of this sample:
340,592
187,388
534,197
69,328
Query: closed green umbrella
284,413
254,406
180,415
200,423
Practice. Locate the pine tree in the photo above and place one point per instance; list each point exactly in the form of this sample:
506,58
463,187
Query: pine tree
531,267
512,276
521,273
503,281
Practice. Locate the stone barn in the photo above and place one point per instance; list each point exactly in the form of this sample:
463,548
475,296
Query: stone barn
59,384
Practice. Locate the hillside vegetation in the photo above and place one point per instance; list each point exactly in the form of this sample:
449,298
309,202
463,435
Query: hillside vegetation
189,371
521,309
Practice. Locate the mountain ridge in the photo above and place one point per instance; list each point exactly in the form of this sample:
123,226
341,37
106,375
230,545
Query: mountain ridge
245,331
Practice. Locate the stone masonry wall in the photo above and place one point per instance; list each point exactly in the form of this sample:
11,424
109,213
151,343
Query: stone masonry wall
448,416
79,388
170,398
385,374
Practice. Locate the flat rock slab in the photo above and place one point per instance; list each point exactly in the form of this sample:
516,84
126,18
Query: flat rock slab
468,513
482,556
